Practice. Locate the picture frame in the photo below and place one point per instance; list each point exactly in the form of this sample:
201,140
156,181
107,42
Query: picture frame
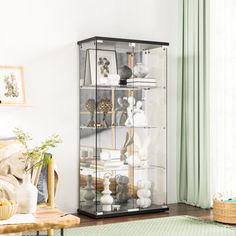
12,85
101,67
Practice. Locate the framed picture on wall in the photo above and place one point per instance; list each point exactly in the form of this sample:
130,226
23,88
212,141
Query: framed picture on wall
12,86
101,67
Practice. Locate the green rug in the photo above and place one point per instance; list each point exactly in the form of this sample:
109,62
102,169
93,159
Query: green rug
169,226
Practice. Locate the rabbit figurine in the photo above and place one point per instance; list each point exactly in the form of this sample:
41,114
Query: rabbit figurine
142,149
139,159
123,152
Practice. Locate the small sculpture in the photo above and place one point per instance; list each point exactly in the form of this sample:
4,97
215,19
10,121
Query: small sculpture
134,161
122,189
136,116
125,73
144,193
143,145
106,199
91,107
140,158
123,152
89,194
121,111
105,105
139,116
130,111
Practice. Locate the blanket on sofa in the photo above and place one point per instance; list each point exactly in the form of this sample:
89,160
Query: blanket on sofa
11,168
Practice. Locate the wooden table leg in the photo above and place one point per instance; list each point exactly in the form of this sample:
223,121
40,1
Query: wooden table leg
50,232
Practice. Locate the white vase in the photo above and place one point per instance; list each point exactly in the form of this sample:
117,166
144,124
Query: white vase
140,70
89,194
26,196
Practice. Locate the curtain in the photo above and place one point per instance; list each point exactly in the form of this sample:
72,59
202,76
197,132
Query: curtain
193,104
223,97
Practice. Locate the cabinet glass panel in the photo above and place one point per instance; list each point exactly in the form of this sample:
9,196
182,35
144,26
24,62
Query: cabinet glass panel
122,126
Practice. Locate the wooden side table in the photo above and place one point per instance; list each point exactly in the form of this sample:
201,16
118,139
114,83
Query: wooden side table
45,218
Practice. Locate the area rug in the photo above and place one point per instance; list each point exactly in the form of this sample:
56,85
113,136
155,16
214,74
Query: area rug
169,226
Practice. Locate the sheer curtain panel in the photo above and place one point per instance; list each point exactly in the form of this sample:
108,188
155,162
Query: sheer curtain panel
223,96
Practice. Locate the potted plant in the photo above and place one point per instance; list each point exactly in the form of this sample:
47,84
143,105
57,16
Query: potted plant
32,157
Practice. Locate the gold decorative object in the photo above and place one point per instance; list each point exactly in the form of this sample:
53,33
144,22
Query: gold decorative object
105,105
91,107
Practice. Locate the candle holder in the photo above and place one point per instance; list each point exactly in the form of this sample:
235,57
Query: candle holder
106,199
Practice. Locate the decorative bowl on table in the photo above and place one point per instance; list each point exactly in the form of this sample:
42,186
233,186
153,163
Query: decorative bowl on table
7,209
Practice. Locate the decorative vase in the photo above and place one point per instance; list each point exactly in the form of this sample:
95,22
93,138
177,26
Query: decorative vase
140,70
89,194
125,73
26,196
144,193
106,199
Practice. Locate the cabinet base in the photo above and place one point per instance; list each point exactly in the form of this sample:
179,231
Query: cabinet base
136,211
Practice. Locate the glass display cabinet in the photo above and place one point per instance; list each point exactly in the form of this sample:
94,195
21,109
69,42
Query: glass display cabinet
122,126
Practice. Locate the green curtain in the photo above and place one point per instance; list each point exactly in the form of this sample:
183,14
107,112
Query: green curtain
193,104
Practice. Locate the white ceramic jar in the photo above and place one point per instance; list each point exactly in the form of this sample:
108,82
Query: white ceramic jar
26,196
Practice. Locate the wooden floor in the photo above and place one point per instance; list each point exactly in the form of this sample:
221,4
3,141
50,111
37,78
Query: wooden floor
175,210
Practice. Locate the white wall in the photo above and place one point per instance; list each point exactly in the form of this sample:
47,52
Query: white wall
41,36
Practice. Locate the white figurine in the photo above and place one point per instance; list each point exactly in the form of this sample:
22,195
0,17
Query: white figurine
136,116
106,199
133,160
140,158
121,111
144,193
139,116
142,148
130,111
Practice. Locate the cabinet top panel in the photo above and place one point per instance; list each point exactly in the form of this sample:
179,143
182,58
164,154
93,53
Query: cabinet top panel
149,44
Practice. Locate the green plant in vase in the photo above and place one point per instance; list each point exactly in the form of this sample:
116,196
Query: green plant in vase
32,157
35,157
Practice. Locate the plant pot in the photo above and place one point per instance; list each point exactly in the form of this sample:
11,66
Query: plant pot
26,196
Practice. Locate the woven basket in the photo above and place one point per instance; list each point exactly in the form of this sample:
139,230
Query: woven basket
7,212
224,212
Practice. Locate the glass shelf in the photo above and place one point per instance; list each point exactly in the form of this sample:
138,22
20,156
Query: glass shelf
119,87
85,167
123,127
